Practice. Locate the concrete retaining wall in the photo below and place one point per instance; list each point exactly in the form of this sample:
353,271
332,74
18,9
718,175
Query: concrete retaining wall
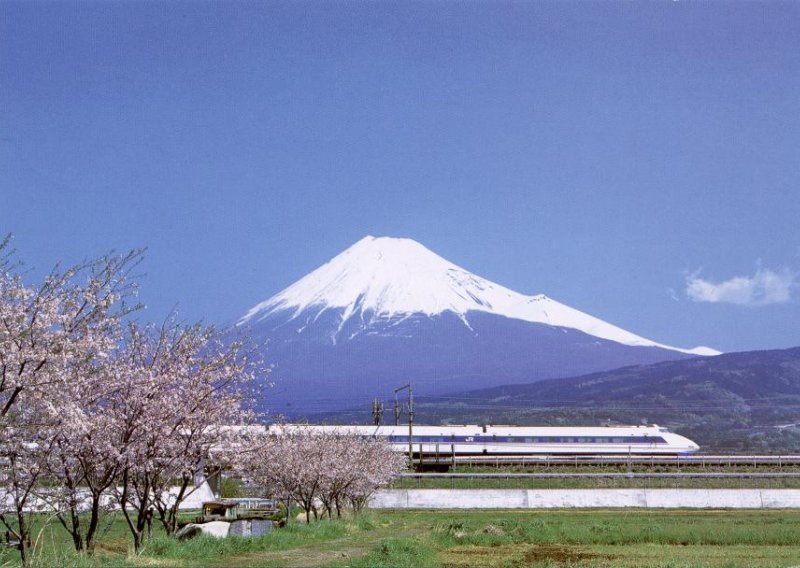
565,498
193,500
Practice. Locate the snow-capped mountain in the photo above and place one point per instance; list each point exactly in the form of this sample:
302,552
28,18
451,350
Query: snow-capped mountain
389,309
386,278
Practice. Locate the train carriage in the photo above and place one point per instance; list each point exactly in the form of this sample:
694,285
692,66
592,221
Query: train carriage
527,440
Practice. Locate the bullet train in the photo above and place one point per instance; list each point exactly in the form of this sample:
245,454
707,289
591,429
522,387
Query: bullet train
525,440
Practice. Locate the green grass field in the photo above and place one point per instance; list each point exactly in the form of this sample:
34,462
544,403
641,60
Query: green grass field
481,539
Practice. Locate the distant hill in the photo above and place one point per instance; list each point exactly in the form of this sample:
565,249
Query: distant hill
747,401
737,402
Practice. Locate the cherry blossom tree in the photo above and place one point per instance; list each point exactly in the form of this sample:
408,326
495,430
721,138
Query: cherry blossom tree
90,404
314,466
47,333
71,318
377,465
278,463
91,448
186,382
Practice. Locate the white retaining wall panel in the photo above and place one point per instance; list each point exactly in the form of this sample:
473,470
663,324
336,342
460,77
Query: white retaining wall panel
705,498
563,498
780,499
572,498
467,498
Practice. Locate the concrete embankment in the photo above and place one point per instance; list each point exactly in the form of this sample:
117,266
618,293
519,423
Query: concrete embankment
571,498
194,497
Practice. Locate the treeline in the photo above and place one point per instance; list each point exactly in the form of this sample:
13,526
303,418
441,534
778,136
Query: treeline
327,469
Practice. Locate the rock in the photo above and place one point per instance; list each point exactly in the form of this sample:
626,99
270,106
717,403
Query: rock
492,529
189,531
217,529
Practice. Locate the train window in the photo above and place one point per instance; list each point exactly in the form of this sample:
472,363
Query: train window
617,440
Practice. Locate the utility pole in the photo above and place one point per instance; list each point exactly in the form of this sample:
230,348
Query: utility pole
377,412
410,420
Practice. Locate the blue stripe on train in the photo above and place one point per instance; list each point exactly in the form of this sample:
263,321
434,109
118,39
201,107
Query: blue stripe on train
528,439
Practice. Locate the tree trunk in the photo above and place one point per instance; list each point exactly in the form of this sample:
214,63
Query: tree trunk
168,515
24,539
137,529
77,541
141,524
94,521
23,552
73,527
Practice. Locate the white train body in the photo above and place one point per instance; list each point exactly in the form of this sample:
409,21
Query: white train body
522,440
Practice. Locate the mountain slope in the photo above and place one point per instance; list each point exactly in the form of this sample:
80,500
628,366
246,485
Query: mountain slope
384,278
387,311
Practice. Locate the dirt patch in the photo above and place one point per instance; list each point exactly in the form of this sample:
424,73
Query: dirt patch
518,554
472,551
159,562
557,553
321,555
116,546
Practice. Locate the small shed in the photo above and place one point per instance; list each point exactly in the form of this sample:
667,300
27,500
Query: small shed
220,510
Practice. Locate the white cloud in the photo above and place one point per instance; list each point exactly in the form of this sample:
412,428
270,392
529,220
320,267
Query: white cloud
763,288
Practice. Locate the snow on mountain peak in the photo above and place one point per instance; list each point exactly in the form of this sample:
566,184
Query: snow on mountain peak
387,276
390,277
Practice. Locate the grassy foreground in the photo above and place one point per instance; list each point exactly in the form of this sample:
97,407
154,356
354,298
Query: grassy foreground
452,539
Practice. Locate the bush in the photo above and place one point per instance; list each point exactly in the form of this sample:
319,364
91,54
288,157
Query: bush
230,488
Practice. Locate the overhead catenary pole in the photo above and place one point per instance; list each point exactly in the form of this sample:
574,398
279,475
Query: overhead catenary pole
377,412
410,421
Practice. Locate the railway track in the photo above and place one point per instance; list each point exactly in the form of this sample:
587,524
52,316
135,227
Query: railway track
441,460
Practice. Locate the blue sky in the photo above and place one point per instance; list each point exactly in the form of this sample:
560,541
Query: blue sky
638,161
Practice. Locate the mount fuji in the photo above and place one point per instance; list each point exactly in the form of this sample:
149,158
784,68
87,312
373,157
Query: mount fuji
388,311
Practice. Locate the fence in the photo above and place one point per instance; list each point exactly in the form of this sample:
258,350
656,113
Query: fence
590,480
545,461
